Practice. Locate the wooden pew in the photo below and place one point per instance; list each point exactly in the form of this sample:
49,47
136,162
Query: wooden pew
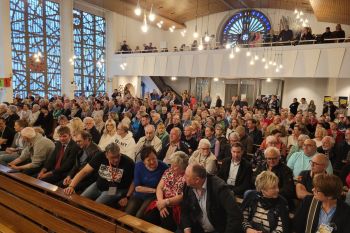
31,205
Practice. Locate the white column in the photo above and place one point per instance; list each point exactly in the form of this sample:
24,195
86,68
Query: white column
332,87
67,52
6,94
111,47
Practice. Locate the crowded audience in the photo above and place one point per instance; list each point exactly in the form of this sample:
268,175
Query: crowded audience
186,164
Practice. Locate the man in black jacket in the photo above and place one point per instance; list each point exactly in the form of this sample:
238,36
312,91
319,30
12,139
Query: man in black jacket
88,152
208,204
175,144
285,175
236,172
62,159
89,125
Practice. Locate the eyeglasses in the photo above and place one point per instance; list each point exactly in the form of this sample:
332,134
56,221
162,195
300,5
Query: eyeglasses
312,163
205,148
272,158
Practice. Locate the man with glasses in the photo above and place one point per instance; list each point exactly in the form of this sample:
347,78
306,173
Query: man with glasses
318,165
285,175
300,161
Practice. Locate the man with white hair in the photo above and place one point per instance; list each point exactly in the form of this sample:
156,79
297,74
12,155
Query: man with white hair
3,111
34,154
327,148
175,144
150,139
89,125
204,157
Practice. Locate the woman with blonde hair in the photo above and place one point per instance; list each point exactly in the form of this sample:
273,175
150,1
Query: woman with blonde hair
264,210
109,134
76,126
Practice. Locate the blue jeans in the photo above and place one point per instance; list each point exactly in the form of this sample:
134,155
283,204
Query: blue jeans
92,192
7,158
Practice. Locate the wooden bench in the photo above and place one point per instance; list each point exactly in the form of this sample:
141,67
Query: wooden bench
31,205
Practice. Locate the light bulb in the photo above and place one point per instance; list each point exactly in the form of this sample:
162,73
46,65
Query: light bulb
37,60
256,57
281,66
266,66
195,34
263,59
268,80
274,64
206,38
125,64
270,62
295,11
200,47
237,49
227,46
252,62
159,25
144,28
39,54
102,60
306,21
137,10
248,53
298,16
277,70
151,15
301,13
232,55
215,79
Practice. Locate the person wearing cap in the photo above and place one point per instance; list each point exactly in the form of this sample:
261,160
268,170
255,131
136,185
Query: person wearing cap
34,154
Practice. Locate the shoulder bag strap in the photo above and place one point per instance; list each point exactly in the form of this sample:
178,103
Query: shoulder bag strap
311,215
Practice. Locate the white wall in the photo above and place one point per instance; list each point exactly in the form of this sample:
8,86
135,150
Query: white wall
217,89
215,20
149,84
309,88
180,85
124,80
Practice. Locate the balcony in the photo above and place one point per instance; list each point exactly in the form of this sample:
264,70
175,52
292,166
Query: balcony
329,60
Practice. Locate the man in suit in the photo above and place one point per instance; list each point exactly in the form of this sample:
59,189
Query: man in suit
236,172
208,204
61,161
88,152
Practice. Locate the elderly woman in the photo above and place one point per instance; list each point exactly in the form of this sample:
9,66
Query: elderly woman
324,211
265,210
146,178
76,126
204,156
109,134
165,211
320,133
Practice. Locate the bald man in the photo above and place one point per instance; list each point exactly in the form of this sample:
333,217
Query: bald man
300,161
318,164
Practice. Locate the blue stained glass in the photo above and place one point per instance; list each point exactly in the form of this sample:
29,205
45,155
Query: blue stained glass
242,24
35,27
89,47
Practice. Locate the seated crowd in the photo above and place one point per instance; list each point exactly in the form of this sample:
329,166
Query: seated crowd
182,164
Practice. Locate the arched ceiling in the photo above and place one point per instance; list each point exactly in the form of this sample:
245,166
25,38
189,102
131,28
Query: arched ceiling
177,12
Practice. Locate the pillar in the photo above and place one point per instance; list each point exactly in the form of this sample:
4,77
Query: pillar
111,47
67,48
6,94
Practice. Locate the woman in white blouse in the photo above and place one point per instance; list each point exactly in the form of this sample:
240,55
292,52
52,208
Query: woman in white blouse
109,134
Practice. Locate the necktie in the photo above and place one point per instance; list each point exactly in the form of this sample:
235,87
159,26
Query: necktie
60,156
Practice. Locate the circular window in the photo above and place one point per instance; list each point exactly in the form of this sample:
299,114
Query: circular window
241,25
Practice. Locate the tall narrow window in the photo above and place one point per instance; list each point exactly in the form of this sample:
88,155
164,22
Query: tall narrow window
35,37
89,49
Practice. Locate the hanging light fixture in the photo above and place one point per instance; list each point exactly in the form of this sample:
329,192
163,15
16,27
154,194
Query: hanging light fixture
195,33
232,55
151,15
138,10
200,46
237,49
206,37
144,26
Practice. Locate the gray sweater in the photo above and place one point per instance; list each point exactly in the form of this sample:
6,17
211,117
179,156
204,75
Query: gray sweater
37,150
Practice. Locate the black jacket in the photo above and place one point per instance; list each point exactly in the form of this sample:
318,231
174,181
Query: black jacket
96,136
340,220
243,178
91,151
286,182
256,135
223,212
67,162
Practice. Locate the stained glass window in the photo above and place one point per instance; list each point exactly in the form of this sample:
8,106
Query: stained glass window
35,26
240,26
89,50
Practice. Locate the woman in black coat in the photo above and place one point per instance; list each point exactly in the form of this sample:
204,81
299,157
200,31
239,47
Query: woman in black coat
324,211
